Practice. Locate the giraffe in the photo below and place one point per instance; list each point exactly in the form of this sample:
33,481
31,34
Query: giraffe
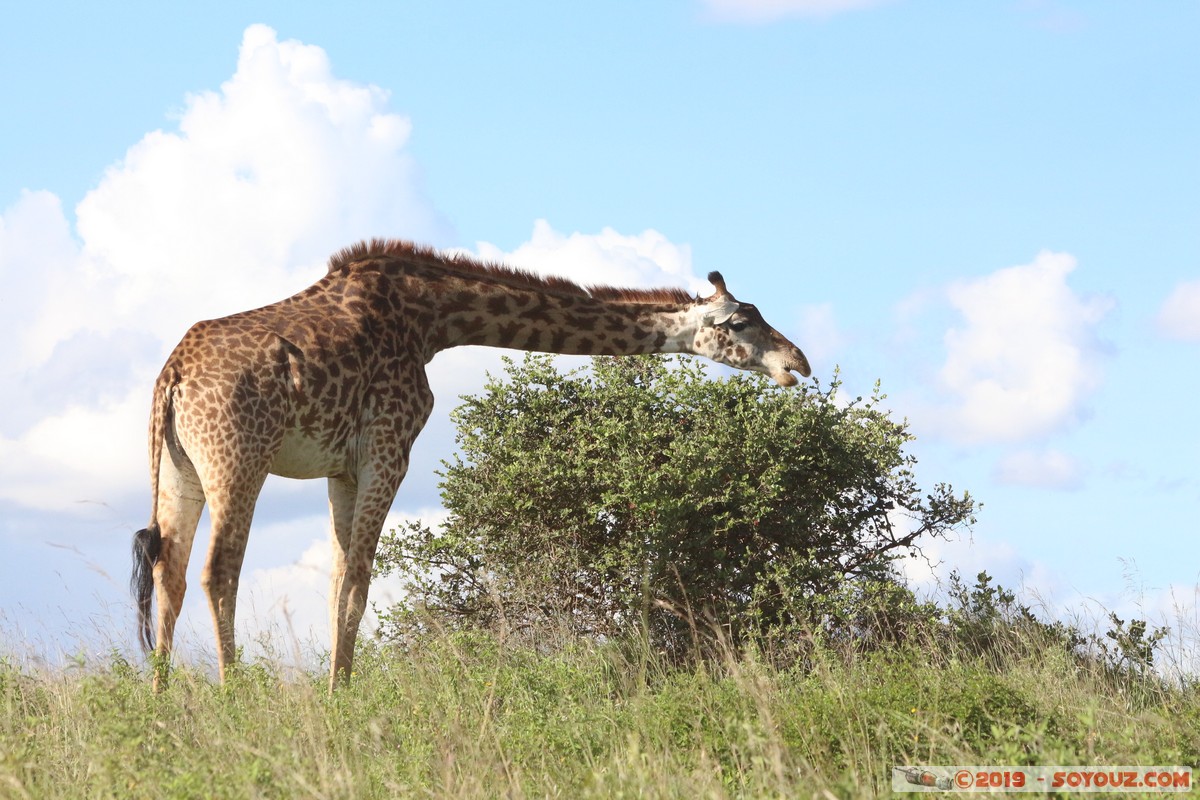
331,383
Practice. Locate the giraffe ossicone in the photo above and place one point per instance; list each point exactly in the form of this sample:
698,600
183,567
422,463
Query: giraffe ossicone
331,383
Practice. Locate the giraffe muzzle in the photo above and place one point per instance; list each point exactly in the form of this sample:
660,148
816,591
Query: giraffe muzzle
780,366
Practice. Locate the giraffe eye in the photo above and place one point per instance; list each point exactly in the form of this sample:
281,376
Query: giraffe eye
737,327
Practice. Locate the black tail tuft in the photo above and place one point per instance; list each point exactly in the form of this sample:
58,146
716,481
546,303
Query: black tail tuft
147,544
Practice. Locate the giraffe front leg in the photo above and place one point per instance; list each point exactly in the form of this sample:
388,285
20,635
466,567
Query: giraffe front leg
343,495
383,462
354,557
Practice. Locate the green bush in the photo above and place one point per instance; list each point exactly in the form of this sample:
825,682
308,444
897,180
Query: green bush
643,496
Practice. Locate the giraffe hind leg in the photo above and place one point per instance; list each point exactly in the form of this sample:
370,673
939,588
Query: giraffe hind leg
231,510
179,514
161,551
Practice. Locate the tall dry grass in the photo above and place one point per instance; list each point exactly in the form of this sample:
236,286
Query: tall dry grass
473,714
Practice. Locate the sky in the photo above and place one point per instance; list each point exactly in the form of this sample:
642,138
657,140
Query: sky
993,209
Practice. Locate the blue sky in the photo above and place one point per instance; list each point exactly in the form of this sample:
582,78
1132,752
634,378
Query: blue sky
993,208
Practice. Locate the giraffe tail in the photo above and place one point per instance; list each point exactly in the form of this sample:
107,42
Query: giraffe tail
147,543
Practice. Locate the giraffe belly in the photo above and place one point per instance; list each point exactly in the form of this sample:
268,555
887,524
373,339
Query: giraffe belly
303,456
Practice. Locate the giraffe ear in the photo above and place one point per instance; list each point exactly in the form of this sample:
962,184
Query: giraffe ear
720,309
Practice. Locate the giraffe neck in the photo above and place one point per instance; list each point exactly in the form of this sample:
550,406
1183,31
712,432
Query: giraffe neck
484,312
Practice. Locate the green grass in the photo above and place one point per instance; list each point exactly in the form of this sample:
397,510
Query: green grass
469,716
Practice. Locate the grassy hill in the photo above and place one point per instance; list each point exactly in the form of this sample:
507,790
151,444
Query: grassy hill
469,714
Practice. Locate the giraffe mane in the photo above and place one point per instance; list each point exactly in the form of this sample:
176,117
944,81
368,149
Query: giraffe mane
465,264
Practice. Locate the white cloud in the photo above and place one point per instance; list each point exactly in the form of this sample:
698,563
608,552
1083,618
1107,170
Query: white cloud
971,554
83,454
262,180
1047,469
295,597
237,206
761,11
1025,357
37,255
291,597
609,258
1052,16
1179,317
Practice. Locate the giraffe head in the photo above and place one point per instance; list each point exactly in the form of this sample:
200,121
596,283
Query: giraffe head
734,333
